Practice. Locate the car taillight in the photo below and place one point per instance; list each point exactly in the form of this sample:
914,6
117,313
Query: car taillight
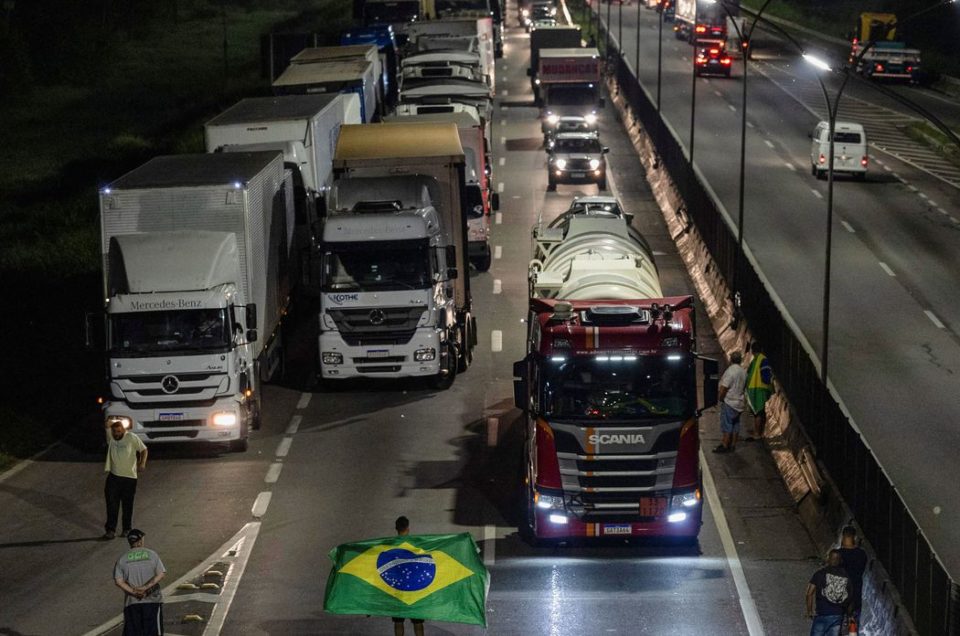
714,51
863,161
822,158
725,61
909,69
548,466
687,470
701,29
879,68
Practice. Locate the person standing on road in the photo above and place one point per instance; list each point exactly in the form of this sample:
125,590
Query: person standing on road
402,525
126,455
854,560
732,403
759,389
138,573
828,593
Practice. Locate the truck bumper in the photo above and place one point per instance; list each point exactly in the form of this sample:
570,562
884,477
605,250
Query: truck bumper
380,361
548,525
182,424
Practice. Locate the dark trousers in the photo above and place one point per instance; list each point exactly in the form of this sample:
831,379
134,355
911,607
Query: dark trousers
143,619
117,491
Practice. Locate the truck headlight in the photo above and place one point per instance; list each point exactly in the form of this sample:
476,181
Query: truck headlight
331,357
677,517
122,420
425,355
683,500
553,119
224,418
590,118
548,502
594,164
560,163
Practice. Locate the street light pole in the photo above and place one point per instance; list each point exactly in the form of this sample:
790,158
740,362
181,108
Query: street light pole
606,52
659,51
693,91
636,66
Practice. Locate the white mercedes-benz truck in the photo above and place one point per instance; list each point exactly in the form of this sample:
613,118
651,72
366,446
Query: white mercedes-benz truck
395,280
195,260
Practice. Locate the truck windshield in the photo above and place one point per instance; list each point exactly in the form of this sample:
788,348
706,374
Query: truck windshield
603,388
164,331
377,266
572,96
377,12
588,146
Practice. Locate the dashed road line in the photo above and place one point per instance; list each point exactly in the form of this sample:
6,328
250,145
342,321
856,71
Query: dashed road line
304,401
887,269
503,141
505,92
497,286
294,425
933,318
887,168
769,143
498,218
817,194
500,187
848,227
922,195
273,473
503,122
284,447
750,125
789,165
497,252
260,504
912,188
496,341
718,93
732,107
503,160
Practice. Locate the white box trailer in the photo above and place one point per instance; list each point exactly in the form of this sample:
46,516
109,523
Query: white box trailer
195,276
456,30
368,52
337,76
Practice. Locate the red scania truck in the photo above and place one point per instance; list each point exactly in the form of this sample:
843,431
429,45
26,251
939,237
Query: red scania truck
608,386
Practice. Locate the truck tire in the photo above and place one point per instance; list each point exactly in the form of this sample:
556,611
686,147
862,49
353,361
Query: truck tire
466,357
482,263
448,372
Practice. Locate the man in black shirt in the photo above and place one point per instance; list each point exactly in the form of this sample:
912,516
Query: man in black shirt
854,560
828,589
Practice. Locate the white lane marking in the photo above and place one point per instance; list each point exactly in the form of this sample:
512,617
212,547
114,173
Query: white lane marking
922,195
954,219
493,425
503,141
304,401
732,107
659,253
769,143
503,160
496,341
505,92
879,162
749,125
933,318
497,252
911,188
887,168
497,286
273,473
500,187
504,108
817,194
498,218
791,166
942,211
897,177
931,202
294,425
260,504
516,196
747,605
503,122
718,93
848,227
284,446
237,549
16,468
489,544
887,269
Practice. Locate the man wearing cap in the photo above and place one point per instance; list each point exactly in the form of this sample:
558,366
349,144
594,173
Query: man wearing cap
126,454
138,573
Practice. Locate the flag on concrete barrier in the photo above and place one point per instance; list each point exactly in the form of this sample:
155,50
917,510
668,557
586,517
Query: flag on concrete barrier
437,577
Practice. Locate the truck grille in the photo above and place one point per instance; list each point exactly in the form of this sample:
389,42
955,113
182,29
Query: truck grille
162,434
377,325
578,165
619,481
382,368
174,423
596,464
379,360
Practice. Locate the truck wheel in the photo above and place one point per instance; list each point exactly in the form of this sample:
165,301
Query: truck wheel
448,370
482,263
466,358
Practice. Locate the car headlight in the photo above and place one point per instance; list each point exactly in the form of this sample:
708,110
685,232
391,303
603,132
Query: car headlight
122,420
553,119
224,418
331,357
425,355
689,499
525,12
594,164
560,163
590,118
549,502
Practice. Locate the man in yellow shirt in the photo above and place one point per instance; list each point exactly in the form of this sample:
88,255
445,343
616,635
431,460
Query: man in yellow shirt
126,455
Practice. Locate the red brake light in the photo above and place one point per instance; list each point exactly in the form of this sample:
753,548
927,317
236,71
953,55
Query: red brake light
822,158
863,161
548,466
701,29
725,61
879,68
714,51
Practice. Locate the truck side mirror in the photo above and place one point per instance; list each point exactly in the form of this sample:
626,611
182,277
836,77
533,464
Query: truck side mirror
521,386
711,383
628,217
252,335
605,150
251,317
495,201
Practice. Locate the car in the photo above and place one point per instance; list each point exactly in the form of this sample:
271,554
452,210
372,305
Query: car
556,124
712,58
543,22
539,11
849,150
576,158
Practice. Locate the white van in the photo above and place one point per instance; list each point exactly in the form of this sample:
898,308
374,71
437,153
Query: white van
849,150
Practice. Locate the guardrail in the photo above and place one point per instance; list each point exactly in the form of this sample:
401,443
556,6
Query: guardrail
927,592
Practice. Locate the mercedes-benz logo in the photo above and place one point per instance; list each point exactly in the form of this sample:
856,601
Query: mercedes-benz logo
377,317
169,384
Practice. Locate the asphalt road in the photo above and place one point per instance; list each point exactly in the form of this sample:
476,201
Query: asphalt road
334,464
894,313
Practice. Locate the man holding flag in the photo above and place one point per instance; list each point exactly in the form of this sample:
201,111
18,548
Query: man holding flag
436,577
759,389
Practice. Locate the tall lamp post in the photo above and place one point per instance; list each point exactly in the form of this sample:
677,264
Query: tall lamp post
693,90
636,65
660,10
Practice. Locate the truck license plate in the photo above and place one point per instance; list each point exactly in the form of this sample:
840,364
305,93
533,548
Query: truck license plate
171,417
378,353
616,528
652,506
578,175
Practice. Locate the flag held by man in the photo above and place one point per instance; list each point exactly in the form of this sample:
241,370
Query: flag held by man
436,577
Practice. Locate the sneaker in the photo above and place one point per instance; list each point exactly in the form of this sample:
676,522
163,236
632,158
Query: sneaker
721,449
109,534
123,535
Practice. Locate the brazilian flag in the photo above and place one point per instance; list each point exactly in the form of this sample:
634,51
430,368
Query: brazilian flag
437,577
